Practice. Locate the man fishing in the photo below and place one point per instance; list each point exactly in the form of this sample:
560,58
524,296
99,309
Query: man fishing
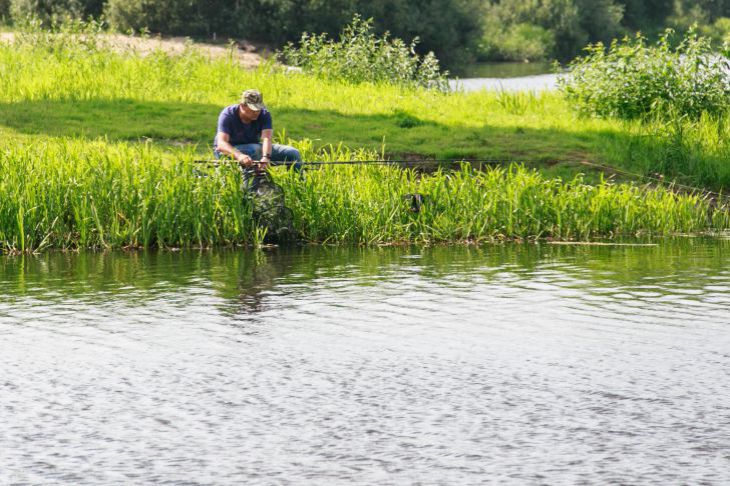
245,133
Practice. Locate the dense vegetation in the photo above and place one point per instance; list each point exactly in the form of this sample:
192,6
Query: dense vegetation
359,56
76,194
457,31
545,29
632,79
97,146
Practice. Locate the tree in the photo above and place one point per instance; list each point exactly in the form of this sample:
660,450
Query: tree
50,10
646,14
449,28
573,23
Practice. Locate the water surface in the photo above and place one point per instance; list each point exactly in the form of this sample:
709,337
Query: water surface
507,69
516,364
507,76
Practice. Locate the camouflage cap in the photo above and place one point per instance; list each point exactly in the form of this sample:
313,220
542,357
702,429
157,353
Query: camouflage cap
253,99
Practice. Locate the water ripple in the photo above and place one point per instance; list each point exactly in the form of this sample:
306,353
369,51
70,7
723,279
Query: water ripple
506,364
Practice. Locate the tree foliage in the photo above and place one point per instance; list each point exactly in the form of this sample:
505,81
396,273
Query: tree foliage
457,31
4,10
49,11
447,27
568,26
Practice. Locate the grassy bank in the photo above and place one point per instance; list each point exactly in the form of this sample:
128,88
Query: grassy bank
97,147
54,87
70,194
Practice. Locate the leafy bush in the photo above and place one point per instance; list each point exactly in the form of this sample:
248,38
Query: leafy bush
361,56
518,42
50,11
566,26
4,10
632,79
141,15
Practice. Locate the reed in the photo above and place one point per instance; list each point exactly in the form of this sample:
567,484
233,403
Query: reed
365,204
73,194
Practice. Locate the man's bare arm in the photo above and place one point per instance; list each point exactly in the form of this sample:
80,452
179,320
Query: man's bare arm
266,143
224,146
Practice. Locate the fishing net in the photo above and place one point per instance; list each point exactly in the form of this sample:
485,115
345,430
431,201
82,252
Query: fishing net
269,207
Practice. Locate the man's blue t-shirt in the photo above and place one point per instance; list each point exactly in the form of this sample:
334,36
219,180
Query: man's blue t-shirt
229,122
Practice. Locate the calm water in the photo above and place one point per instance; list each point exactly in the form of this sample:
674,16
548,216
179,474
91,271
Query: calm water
507,76
507,69
505,364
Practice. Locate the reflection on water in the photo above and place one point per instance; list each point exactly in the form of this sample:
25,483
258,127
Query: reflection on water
507,76
543,82
512,364
507,69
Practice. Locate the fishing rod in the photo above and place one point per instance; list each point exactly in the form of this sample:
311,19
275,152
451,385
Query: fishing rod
372,162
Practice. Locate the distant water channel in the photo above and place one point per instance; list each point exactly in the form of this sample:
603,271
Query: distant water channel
514,364
507,76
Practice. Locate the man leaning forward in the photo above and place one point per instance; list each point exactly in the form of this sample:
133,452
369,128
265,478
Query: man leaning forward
245,132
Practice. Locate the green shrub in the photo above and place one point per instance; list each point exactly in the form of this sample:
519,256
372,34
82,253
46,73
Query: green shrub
633,79
519,42
140,15
361,56
50,11
4,11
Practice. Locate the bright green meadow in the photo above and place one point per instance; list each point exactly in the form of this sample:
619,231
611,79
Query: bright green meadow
97,150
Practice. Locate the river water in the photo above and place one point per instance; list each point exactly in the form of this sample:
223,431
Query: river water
510,364
507,76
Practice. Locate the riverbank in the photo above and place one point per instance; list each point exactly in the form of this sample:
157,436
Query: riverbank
245,53
97,147
75,194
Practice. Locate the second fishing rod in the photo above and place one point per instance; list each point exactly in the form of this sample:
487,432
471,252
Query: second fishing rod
396,162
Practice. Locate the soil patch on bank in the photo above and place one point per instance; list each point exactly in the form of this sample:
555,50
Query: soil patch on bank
246,53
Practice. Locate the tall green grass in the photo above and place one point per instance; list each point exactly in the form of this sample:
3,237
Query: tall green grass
366,204
73,194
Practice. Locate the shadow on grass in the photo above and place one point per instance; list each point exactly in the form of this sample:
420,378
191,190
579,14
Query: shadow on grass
121,119
399,134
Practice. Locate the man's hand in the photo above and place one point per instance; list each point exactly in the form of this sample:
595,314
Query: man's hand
243,159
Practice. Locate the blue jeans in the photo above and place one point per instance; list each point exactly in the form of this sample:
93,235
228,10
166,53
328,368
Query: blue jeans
279,153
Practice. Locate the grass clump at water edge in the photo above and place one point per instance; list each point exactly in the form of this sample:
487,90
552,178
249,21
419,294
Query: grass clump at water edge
80,195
